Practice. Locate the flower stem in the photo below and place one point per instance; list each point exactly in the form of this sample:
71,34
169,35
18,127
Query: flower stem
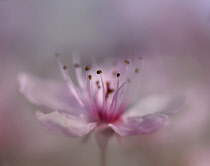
103,154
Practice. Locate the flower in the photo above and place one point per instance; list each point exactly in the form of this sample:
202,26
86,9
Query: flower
102,98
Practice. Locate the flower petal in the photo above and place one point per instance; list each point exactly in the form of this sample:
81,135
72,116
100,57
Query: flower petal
49,94
65,124
157,104
140,125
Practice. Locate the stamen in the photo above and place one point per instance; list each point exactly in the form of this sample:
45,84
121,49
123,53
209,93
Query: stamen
97,84
127,62
69,82
103,88
126,66
78,70
90,97
65,67
99,72
108,90
87,68
118,74
90,77
115,99
137,70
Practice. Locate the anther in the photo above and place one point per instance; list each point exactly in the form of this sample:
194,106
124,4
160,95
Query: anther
137,70
76,65
118,74
127,62
65,67
99,72
87,68
110,91
90,77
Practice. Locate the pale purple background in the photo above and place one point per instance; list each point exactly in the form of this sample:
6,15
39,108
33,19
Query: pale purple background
172,36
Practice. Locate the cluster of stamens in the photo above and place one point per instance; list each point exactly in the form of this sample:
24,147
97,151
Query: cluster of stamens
108,111
108,89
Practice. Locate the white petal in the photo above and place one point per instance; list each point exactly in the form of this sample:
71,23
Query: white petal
47,93
140,125
156,104
65,124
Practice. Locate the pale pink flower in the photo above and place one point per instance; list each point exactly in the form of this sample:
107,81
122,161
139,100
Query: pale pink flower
102,98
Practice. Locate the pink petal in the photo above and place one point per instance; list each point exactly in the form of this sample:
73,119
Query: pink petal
65,124
140,125
49,94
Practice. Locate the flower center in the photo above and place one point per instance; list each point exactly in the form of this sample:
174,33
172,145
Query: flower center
101,93
103,97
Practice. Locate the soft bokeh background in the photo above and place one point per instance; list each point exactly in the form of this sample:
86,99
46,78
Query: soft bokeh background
172,36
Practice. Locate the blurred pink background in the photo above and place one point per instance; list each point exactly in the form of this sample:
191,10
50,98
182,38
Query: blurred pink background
172,36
